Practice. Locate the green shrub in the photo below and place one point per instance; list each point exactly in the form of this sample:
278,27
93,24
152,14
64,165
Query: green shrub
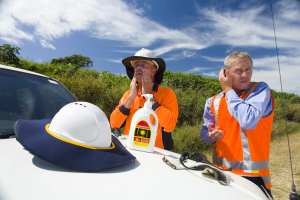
100,88
190,106
288,97
184,81
290,110
187,138
105,90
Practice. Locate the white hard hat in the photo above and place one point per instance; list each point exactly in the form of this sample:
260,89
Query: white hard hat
84,123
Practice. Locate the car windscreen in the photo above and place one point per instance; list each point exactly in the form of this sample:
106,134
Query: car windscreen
26,96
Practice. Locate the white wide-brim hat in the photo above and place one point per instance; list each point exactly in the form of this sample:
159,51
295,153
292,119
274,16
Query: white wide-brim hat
77,138
145,54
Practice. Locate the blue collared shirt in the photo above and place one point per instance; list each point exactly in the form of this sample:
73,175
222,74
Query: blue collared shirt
247,113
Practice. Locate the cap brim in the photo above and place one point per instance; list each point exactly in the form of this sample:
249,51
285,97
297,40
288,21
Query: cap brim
33,136
158,77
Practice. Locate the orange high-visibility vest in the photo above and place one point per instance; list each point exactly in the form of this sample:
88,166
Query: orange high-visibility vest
246,152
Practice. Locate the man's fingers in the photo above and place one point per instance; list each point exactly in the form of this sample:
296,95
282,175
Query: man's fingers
210,129
219,135
146,78
222,74
227,73
216,135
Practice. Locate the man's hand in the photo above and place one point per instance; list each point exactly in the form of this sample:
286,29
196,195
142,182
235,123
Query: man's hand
225,80
134,88
215,134
147,87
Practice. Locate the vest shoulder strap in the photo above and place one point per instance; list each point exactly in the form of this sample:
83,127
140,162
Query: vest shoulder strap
250,89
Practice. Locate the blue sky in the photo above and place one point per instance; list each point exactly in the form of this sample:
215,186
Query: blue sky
191,36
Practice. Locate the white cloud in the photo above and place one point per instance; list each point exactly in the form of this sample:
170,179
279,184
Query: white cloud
196,69
213,59
115,20
188,53
115,61
296,90
247,26
290,11
179,56
10,40
45,44
148,6
270,73
112,20
211,74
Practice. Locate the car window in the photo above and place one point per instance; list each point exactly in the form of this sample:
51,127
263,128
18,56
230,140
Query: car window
26,96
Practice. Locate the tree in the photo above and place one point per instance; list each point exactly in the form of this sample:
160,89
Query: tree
79,60
8,55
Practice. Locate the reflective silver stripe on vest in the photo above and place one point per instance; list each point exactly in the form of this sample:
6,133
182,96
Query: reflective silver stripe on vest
252,165
246,164
266,179
216,107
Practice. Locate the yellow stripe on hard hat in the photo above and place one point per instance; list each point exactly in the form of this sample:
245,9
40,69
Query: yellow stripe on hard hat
76,143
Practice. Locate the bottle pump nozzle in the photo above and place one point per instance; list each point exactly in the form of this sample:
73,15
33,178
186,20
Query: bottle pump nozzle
148,104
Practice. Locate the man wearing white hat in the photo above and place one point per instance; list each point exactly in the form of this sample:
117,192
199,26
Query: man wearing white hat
146,72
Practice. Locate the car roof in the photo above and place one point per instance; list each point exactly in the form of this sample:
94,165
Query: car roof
21,70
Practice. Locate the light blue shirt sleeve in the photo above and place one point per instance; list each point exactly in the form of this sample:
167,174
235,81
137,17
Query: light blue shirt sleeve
209,119
247,113
256,106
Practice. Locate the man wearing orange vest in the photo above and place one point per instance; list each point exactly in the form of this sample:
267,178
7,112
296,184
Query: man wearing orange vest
238,121
146,72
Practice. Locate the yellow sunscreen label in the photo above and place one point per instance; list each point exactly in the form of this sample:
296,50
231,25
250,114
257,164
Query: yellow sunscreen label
142,134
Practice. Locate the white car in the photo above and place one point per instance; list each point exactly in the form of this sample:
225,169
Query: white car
28,95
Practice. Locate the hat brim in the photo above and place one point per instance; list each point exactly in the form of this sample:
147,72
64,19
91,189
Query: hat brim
158,77
33,136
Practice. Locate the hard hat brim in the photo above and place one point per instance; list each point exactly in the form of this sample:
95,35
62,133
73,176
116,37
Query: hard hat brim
158,77
33,136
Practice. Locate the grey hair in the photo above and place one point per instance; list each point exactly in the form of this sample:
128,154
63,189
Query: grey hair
235,55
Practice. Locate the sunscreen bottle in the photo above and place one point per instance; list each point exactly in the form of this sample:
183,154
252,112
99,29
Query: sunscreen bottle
143,128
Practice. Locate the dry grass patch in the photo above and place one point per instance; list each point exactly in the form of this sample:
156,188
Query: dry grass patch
280,165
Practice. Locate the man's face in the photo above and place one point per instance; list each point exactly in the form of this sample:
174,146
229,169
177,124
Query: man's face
144,68
240,73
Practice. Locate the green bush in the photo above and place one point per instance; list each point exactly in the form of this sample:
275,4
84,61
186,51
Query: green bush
290,98
97,88
187,138
190,106
105,90
290,110
184,81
